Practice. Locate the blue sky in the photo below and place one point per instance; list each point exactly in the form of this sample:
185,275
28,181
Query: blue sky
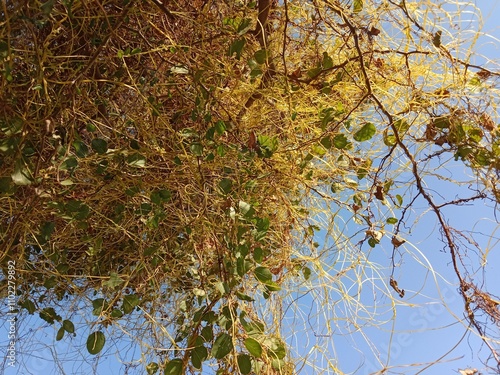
425,328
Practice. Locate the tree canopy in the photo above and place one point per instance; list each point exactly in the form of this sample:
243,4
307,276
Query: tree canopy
181,173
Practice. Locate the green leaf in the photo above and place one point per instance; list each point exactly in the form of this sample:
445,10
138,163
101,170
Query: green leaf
327,61
46,231
357,6
314,72
244,26
244,297
220,127
136,160
436,39
392,220
152,367
222,346
442,122
399,199
389,139
174,367
28,305
401,126
95,342
244,363
98,306
207,333
237,47
272,286
306,271
340,141
68,326
263,274
130,302
246,209
81,149
276,347
198,355
225,185
253,347
99,145
258,255
60,334
260,56
196,149
69,164
49,315
116,313
326,142
21,175
268,145
114,281
365,133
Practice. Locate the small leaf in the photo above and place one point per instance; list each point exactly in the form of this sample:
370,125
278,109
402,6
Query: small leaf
327,61
365,133
136,160
222,346
268,145
21,175
129,303
392,220
196,149
436,39
326,142
114,281
174,367
261,56
244,363
60,334
253,347
389,139
340,141
81,149
306,271
314,72
263,274
29,305
225,185
357,6
246,209
98,306
116,313
95,342
399,199
99,145
198,355
244,297
68,326
152,367
49,315
237,47
220,127
244,26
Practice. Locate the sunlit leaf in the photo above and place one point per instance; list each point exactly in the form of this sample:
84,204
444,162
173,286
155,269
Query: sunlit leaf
223,345
244,363
365,133
253,347
174,367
